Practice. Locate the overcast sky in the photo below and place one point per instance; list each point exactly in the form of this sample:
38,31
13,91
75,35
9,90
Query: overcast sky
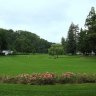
50,19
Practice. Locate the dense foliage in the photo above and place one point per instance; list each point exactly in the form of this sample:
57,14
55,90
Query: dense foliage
56,49
83,41
72,39
22,41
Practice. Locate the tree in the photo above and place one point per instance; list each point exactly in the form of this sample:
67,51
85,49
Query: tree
3,40
83,42
63,42
10,38
55,50
91,26
72,39
44,45
90,22
22,41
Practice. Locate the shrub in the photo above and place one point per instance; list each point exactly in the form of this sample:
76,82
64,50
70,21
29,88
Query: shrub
67,77
45,78
49,78
23,78
86,78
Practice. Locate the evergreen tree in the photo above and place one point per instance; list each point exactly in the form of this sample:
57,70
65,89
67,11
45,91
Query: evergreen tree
90,22
83,42
72,39
63,42
91,26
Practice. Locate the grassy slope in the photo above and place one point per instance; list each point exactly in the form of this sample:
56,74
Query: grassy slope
43,63
50,90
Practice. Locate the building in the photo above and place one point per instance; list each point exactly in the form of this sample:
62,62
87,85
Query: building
6,52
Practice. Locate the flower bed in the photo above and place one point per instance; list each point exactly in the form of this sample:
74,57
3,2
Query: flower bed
49,78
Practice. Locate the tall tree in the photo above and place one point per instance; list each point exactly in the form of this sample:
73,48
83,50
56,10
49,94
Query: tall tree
90,23
63,42
83,42
72,39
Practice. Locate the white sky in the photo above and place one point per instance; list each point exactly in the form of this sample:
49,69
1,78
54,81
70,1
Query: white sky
50,19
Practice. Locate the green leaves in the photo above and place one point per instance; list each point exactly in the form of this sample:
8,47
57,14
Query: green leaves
22,41
56,49
72,39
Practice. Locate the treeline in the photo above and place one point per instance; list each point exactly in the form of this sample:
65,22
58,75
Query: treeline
78,41
82,41
22,41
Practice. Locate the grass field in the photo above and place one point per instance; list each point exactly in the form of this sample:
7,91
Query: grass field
12,65
49,90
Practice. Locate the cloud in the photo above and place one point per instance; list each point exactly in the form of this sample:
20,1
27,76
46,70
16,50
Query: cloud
50,19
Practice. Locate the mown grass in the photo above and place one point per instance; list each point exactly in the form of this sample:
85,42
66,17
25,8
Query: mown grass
49,90
13,65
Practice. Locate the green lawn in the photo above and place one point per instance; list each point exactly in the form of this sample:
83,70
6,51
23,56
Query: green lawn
13,65
49,90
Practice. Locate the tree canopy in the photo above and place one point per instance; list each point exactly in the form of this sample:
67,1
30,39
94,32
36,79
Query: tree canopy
84,40
22,41
56,50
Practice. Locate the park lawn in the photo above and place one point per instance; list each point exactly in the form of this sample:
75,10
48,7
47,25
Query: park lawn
48,90
13,65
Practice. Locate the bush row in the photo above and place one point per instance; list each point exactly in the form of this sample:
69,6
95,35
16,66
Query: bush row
49,78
